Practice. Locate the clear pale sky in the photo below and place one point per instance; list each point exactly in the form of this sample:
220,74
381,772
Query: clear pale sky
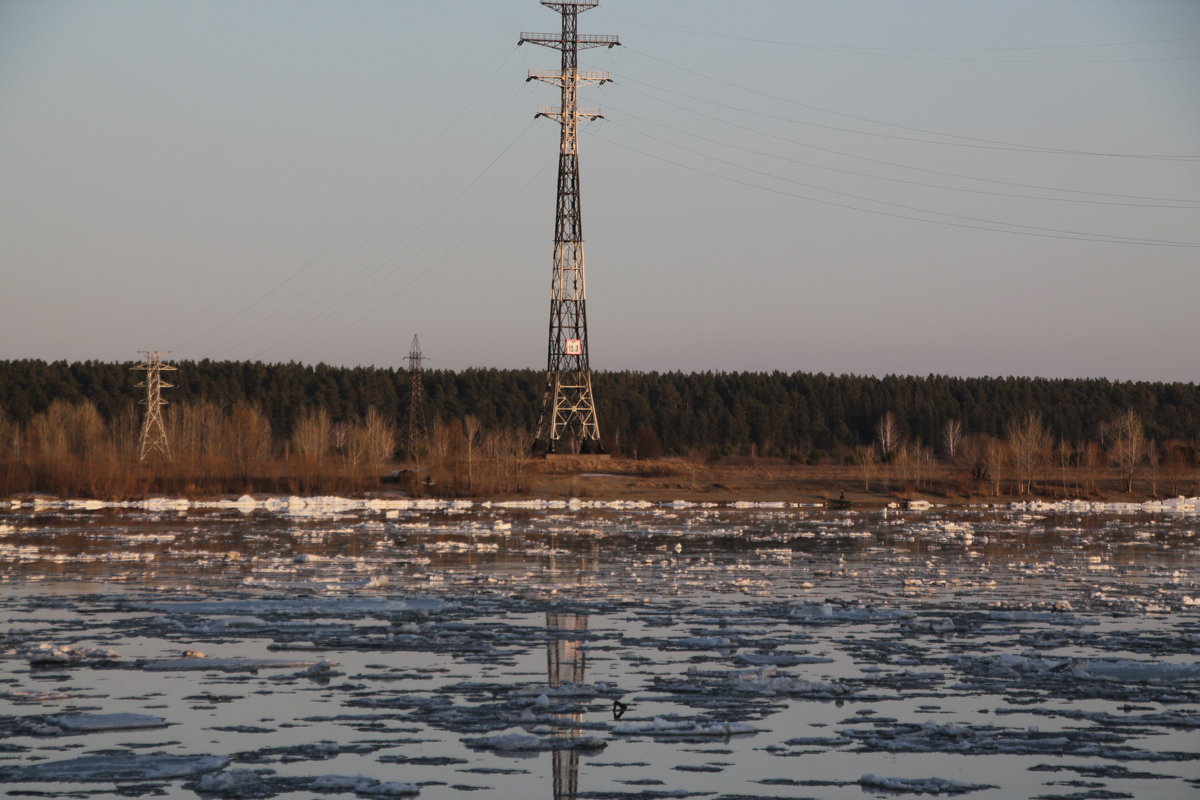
995,187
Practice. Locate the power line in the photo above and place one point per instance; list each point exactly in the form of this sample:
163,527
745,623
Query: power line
945,173
872,176
987,225
968,141
915,53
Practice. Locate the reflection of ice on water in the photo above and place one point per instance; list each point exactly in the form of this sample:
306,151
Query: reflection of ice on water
565,663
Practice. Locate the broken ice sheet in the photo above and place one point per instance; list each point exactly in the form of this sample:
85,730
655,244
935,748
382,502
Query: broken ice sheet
789,620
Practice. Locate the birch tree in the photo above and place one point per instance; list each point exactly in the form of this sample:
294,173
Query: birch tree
888,434
952,434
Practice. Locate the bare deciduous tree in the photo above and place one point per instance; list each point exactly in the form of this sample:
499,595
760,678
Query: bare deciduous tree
1028,442
312,436
1093,458
1154,459
905,464
1128,445
247,440
1064,456
924,466
994,458
378,439
470,431
888,434
952,434
1174,463
867,463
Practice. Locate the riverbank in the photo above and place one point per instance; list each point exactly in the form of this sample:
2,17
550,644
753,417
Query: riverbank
663,480
670,479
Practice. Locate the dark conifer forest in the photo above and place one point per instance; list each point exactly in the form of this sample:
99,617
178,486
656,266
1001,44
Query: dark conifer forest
800,416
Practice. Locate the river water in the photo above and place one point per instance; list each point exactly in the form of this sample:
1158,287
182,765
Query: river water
338,648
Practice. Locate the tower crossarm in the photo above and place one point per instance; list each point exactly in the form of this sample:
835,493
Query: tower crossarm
557,76
583,41
555,113
570,6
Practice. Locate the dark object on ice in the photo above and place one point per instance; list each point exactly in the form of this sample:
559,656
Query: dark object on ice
619,709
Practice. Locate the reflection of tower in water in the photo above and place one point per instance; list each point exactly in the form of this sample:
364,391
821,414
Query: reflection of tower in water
565,664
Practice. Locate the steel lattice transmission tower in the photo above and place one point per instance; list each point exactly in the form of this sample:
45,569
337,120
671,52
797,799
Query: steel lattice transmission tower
568,409
154,432
417,433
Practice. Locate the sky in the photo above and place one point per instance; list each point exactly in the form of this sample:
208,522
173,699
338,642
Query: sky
999,187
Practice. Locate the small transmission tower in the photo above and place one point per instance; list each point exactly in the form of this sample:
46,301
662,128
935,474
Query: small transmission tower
417,434
154,432
568,409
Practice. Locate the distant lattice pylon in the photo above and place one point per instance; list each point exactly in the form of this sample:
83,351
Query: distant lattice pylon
154,432
417,433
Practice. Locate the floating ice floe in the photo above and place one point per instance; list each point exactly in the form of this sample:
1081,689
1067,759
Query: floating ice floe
226,664
706,642
1178,505
599,688
672,726
118,766
1121,670
1169,719
45,654
920,785
239,783
781,659
951,737
827,612
89,723
304,606
767,681
528,743
361,784
1046,617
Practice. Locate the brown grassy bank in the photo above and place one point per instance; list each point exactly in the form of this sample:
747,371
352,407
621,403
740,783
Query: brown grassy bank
71,451
683,479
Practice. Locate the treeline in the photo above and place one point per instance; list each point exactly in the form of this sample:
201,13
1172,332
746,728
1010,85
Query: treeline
798,416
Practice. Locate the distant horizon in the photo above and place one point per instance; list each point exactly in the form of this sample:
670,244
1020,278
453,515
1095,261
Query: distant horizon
601,370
